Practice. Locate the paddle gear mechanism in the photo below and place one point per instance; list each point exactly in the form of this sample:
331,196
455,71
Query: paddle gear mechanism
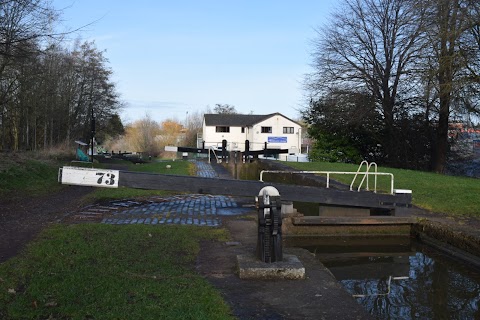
269,242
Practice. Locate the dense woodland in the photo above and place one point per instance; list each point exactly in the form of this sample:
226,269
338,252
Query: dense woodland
389,78
49,88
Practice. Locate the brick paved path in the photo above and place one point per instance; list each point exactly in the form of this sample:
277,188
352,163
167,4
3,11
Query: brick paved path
205,170
181,209
194,209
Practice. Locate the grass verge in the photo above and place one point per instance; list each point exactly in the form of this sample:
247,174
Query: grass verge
163,167
111,272
32,177
431,191
37,177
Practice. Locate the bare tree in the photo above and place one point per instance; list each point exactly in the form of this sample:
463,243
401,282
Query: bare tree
47,92
194,126
224,109
418,59
51,97
24,21
452,33
370,45
141,136
23,24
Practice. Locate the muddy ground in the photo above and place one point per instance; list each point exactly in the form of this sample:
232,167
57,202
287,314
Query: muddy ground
23,217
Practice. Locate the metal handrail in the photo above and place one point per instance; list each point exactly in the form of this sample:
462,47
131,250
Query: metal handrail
328,173
216,157
389,282
365,175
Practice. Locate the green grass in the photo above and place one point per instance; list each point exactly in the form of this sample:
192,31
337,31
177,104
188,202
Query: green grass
32,177
431,191
176,168
111,272
95,271
35,177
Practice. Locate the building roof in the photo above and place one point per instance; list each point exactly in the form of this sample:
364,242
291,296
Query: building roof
237,120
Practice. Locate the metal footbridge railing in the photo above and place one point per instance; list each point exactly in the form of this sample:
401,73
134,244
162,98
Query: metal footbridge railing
365,180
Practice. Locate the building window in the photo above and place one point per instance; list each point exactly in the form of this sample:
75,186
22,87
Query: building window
243,129
288,130
266,129
222,129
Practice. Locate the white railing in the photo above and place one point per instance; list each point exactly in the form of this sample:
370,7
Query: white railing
355,174
214,153
389,282
366,175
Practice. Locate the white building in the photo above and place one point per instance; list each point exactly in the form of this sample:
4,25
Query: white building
278,131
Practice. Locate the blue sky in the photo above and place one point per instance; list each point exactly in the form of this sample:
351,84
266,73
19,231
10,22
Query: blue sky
174,57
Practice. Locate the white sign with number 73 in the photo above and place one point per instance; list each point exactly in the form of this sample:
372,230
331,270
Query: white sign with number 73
89,177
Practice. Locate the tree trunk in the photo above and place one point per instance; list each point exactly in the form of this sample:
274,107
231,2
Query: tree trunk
51,132
45,134
14,133
390,136
35,134
440,155
2,140
447,20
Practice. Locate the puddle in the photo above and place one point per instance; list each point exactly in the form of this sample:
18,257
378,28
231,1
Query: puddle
398,278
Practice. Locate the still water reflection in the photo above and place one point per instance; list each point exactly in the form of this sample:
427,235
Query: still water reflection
403,280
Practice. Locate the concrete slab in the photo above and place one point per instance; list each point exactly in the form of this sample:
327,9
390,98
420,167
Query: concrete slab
250,267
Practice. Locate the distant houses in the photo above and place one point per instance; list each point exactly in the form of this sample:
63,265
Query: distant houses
278,131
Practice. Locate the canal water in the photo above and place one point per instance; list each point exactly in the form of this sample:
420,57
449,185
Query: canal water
399,278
